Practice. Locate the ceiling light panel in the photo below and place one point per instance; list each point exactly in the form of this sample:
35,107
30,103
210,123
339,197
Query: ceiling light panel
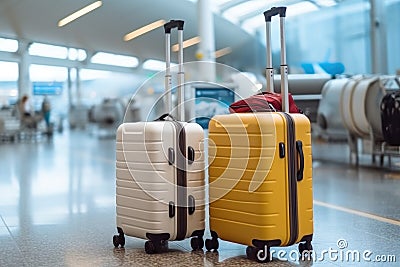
144,29
234,13
187,43
300,8
115,60
223,52
79,13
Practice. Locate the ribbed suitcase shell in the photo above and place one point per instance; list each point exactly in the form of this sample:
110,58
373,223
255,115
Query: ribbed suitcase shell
249,186
146,182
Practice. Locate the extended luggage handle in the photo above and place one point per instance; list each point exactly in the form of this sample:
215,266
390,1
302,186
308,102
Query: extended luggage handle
168,79
281,11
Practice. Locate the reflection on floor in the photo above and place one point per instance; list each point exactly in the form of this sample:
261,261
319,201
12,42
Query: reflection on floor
57,209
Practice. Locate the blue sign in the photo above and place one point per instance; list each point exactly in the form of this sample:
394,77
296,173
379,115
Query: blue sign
210,102
47,88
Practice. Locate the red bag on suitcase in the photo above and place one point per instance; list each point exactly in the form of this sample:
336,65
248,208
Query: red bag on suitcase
266,101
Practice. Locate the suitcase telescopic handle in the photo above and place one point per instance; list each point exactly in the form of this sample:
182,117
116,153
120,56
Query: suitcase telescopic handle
281,11
172,24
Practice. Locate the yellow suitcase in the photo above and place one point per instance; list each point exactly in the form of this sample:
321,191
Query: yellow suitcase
260,177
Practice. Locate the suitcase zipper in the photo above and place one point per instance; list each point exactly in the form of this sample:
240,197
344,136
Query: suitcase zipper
292,179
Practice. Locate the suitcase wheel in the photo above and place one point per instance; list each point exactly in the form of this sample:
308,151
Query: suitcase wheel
197,243
305,247
118,240
149,247
152,247
258,254
212,244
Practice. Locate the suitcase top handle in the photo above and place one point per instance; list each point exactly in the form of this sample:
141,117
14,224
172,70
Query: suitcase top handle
165,116
173,24
281,11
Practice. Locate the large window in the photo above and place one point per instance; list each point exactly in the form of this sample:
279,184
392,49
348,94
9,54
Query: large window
46,50
393,38
338,34
318,31
42,73
97,85
8,83
8,45
54,51
116,60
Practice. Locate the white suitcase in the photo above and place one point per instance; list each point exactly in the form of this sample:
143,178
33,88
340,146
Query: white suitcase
160,175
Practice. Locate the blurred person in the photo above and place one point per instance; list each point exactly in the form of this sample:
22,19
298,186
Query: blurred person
24,107
25,112
46,108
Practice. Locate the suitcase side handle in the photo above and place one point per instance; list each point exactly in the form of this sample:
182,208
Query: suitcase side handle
300,171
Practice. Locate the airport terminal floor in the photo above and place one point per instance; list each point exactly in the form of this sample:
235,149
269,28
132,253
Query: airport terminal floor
57,208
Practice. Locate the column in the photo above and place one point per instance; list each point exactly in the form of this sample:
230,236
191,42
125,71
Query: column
378,37
24,83
69,84
78,87
206,51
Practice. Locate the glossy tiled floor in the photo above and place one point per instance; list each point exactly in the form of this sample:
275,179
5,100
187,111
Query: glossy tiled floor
57,209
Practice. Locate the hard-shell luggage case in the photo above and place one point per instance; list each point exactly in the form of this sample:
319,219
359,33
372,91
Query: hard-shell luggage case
160,174
260,174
